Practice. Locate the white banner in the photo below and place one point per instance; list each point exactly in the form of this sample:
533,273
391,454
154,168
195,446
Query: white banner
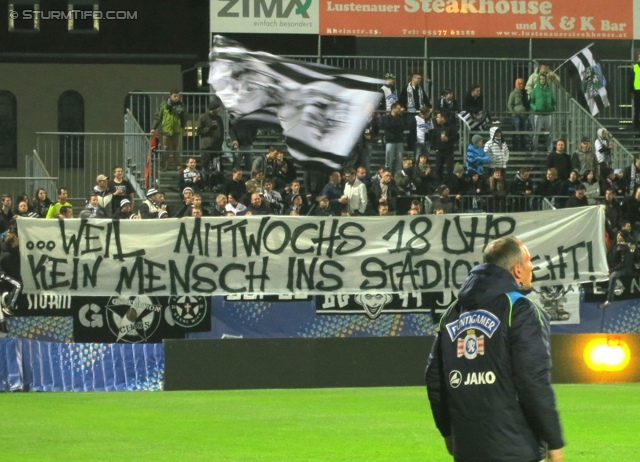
275,255
265,16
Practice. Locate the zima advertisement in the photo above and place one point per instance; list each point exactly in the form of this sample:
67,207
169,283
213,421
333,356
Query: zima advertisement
264,16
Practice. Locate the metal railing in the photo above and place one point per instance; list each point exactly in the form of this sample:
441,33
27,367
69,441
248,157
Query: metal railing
503,204
581,123
39,176
136,148
486,203
75,159
496,76
144,106
15,186
571,122
36,176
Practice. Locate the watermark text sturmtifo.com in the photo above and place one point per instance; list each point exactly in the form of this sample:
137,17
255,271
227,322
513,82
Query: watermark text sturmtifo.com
72,14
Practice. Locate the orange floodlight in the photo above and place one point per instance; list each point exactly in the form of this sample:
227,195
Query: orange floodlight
607,354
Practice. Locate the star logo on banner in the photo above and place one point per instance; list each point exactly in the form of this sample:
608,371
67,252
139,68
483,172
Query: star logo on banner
188,311
133,319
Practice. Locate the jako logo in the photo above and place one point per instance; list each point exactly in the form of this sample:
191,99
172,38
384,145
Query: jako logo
480,378
264,8
455,379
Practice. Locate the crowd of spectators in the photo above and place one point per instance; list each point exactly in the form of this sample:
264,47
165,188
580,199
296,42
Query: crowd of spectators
570,181
407,118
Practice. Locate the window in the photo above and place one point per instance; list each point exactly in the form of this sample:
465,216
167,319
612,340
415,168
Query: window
8,130
83,16
24,16
71,119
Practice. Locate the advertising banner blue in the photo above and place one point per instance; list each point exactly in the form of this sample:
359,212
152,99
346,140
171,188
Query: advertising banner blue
33,365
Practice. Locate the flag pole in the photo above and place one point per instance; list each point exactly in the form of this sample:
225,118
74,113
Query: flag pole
566,61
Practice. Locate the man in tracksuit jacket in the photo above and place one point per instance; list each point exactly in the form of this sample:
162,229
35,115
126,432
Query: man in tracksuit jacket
488,376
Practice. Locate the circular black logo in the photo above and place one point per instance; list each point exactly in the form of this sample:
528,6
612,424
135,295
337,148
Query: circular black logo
133,319
188,311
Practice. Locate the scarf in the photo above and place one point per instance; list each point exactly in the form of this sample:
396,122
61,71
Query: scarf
390,96
384,189
411,104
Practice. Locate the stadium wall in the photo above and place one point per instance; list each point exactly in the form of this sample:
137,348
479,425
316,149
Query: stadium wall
347,362
104,88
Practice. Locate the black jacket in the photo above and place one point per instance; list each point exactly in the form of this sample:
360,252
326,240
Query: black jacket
211,132
562,163
419,90
548,188
519,186
613,214
631,209
471,104
438,144
488,376
230,187
392,195
621,259
573,201
243,132
457,185
393,128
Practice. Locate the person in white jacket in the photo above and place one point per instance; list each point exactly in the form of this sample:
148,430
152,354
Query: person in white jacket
497,150
603,146
355,193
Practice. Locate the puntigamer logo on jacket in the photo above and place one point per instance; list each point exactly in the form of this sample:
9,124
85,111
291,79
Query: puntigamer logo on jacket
482,320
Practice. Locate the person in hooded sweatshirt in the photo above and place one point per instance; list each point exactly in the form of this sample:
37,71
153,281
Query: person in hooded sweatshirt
542,100
518,105
477,158
497,150
602,146
488,375
92,209
124,211
584,159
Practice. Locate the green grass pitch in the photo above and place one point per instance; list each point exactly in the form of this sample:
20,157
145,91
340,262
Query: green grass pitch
601,423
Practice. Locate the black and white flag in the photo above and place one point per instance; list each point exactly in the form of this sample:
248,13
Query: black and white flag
593,82
322,110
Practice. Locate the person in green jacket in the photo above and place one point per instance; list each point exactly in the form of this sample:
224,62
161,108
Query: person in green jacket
171,120
543,102
54,209
518,106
